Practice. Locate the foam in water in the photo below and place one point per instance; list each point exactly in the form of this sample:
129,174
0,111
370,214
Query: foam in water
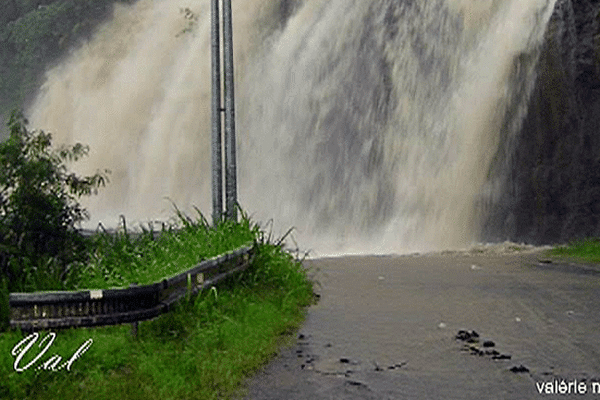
368,125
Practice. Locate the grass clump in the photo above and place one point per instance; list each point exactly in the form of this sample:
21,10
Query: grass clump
120,259
586,250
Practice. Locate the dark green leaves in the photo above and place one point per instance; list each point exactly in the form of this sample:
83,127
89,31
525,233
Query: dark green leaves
38,202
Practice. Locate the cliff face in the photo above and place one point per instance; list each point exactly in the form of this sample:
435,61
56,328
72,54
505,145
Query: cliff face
551,192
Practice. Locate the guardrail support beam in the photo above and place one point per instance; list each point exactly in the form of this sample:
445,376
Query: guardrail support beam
134,325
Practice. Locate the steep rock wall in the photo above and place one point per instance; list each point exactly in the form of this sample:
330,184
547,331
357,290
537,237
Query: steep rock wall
552,188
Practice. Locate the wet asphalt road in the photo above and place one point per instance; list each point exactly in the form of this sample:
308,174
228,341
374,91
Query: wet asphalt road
386,326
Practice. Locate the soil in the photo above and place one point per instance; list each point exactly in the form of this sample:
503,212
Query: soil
494,322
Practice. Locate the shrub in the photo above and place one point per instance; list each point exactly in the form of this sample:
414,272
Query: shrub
38,204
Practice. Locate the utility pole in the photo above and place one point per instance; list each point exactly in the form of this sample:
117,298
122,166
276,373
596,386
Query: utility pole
230,162
229,110
217,161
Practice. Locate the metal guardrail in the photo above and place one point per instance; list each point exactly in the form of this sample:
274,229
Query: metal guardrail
44,310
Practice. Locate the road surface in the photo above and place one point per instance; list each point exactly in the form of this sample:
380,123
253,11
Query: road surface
386,328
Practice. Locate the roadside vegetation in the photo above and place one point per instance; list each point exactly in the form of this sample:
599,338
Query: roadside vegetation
204,349
584,250
120,258
40,247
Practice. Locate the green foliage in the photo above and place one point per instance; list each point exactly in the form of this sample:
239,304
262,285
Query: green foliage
36,33
4,308
584,250
38,204
120,258
192,20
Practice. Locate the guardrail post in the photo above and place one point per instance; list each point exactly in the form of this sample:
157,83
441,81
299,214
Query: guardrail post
134,325
189,288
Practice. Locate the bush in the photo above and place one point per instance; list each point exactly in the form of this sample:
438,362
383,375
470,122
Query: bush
4,309
38,205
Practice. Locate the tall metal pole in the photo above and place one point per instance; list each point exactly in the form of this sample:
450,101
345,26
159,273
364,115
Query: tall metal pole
217,162
230,162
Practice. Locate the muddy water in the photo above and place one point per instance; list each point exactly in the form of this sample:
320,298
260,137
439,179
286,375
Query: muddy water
369,125
385,328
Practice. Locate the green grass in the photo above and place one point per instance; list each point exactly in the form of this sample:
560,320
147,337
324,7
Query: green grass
585,250
119,259
122,259
203,349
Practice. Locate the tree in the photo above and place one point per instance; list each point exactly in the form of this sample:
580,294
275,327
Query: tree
39,211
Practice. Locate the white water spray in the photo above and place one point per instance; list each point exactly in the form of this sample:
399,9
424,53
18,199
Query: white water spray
368,125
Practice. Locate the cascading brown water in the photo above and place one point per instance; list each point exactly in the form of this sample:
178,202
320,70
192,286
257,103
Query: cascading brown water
369,125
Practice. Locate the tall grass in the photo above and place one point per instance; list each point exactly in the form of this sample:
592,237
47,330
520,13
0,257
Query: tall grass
204,349
121,258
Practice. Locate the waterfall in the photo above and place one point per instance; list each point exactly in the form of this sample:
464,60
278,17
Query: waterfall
370,126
